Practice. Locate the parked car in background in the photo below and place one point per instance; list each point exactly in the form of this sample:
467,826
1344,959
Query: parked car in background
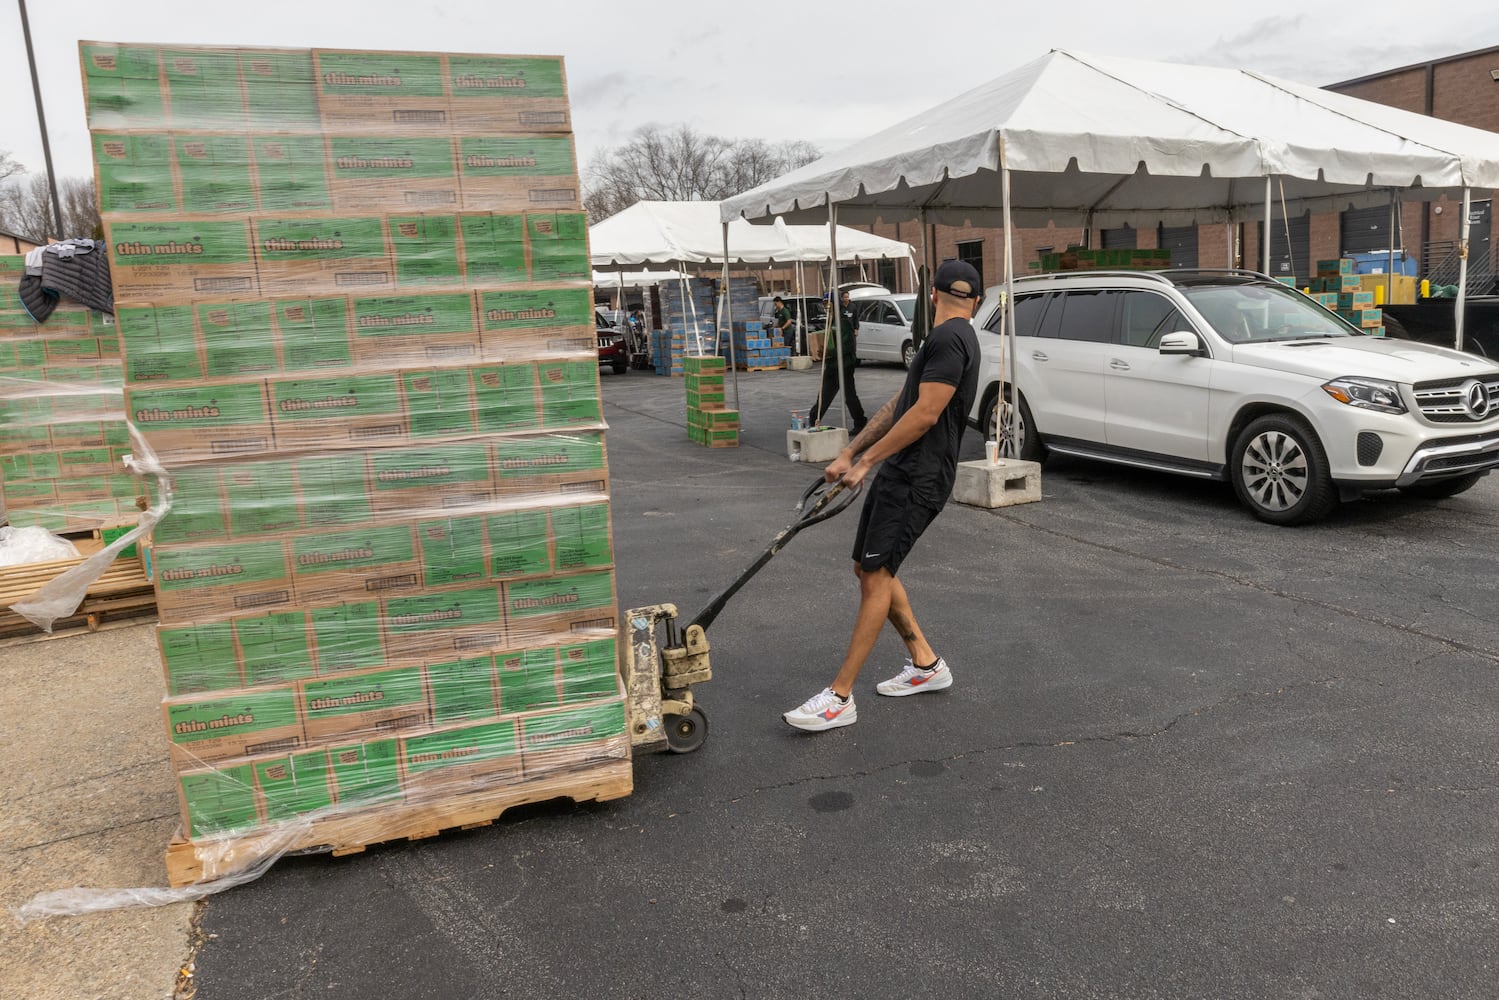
1233,376
885,327
614,351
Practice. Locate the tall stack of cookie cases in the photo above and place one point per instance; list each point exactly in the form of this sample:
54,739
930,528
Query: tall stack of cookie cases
354,305
62,425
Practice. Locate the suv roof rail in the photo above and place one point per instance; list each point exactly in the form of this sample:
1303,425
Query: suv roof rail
1223,272
1056,275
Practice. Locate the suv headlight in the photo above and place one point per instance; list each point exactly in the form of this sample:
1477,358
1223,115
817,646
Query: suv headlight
1366,393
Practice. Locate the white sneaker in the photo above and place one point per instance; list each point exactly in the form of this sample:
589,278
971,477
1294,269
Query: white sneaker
913,680
824,710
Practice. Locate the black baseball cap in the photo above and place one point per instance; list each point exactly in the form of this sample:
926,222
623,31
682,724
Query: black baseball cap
959,278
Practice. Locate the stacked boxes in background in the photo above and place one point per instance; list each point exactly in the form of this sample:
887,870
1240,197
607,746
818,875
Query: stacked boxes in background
1339,289
709,422
354,305
687,321
756,348
1080,259
62,422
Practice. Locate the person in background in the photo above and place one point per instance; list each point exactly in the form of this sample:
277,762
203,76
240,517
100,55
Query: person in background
916,435
781,323
840,352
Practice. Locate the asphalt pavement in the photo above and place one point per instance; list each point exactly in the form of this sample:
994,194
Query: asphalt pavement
1186,755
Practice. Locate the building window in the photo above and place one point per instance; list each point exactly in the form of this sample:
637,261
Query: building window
885,273
972,252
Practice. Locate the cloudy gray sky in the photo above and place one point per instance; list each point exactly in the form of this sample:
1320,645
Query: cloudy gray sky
774,69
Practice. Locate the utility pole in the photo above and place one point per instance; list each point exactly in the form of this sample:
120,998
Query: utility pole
41,120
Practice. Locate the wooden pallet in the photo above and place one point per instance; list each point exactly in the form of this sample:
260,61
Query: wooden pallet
188,863
761,368
122,594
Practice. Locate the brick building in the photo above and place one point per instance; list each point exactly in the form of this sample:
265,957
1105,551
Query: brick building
1461,88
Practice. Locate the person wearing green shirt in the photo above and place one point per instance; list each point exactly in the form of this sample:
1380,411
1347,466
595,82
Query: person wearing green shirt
840,353
781,322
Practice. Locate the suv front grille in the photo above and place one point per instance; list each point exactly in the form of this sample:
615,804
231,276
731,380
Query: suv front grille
1445,402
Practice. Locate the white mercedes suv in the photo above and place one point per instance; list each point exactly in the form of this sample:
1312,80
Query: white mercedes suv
1230,375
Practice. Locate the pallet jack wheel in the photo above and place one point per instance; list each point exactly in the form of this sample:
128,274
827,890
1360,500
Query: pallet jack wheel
685,733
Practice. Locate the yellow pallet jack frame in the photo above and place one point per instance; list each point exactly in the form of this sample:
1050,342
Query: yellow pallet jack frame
663,662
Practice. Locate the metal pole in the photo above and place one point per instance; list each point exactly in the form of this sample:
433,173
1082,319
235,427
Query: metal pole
926,265
1389,283
1007,363
728,313
1462,271
41,121
835,307
1265,237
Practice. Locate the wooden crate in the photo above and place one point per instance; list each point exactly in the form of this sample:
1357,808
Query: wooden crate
188,862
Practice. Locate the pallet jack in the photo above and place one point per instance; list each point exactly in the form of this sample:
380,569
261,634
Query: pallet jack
663,661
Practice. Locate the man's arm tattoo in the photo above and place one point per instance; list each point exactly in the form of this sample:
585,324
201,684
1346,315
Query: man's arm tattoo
878,426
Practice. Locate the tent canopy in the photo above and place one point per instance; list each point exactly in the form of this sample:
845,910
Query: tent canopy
1106,141
652,234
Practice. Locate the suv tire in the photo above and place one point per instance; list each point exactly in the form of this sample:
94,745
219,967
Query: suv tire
907,354
1032,449
1442,488
1279,471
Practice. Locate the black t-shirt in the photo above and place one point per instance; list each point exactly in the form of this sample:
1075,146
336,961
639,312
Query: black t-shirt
950,355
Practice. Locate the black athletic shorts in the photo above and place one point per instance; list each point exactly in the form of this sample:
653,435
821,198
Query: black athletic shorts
889,525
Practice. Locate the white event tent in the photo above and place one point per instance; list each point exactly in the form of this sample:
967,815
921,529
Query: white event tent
691,234
1100,142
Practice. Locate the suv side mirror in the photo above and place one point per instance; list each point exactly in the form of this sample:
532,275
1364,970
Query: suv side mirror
1181,342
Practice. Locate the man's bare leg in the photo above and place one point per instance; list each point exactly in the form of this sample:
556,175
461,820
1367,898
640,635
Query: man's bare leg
874,609
904,621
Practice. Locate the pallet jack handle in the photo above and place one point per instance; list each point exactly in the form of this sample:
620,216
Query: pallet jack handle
827,500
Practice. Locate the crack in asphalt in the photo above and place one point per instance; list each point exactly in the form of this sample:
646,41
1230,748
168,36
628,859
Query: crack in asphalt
1353,613
91,833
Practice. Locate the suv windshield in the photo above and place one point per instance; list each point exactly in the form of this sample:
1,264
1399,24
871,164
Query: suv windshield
1257,313
906,304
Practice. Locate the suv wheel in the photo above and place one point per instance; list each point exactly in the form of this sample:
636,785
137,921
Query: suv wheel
621,366
1017,438
1442,488
1280,471
907,354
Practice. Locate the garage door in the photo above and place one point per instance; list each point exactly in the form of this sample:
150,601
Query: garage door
1122,238
1290,254
1364,230
1182,242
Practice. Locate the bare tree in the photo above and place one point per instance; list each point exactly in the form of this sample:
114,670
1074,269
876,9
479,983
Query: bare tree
682,164
9,165
26,208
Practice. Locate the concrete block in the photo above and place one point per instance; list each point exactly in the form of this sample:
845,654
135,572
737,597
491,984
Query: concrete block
820,445
799,362
1011,482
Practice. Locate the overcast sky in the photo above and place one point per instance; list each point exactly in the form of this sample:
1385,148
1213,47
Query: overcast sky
772,69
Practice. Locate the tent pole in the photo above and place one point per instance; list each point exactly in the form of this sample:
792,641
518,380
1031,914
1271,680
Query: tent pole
1007,363
926,263
1462,269
697,337
1389,282
728,310
1265,236
836,303
799,333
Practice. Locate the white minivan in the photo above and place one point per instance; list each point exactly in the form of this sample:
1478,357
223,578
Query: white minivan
884,326
1231,375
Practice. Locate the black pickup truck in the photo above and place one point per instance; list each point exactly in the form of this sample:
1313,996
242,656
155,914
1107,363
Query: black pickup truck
1431,322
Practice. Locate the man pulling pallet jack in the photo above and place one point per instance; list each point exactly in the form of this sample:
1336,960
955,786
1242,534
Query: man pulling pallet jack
917,435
